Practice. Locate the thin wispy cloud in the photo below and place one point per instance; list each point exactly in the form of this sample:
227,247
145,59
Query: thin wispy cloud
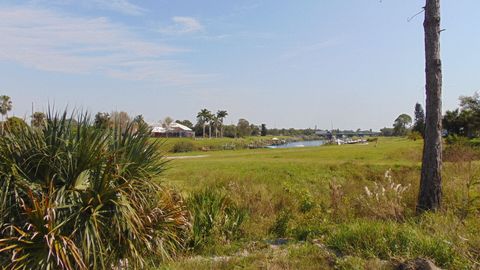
50,41
119,6
182,25
122,6
308,49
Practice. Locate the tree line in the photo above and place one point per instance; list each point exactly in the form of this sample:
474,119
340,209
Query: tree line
463,121
403,126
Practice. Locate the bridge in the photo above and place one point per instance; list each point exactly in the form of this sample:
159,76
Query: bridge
346,133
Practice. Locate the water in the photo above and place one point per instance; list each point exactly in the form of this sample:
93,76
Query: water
298,144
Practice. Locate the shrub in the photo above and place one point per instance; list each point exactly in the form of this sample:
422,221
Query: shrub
215,218
455,139
414,135
183,146
77,197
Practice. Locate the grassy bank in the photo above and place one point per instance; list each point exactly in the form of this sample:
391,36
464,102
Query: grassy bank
183,145
313,201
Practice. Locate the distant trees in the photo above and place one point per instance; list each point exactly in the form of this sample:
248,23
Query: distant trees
102,120
203,117
401,124
221,115
263,131
419,122
387,132
186,123
139,122
254,130
5,107
207,118
215,122
38,119
139,119
120,119
243,128
167,121
465,120
230,131
460,123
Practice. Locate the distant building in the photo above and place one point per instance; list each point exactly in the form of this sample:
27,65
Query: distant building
174,130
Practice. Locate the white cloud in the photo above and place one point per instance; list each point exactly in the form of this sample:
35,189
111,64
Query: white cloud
50,41
183,25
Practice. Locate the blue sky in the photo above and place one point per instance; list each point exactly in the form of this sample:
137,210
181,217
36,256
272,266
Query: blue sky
353,64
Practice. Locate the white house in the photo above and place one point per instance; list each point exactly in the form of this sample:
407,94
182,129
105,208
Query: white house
173,130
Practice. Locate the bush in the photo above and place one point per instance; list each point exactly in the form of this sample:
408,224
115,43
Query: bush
77,197
414,135
455,139
216,219
183,146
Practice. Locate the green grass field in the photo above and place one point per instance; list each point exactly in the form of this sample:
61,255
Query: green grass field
314,167
314,198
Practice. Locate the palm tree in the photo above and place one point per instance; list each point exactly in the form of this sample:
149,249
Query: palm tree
221,114
5,107
216,123
210,120
203,117
77,197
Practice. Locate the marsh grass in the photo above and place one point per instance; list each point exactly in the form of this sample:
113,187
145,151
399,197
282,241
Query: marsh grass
321,189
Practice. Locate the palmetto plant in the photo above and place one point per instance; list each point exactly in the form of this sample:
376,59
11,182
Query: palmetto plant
78,197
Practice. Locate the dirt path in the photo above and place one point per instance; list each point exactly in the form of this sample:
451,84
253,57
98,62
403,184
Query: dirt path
187,157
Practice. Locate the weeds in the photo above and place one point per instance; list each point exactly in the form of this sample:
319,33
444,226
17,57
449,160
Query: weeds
280,226
216,219
383,201
387,239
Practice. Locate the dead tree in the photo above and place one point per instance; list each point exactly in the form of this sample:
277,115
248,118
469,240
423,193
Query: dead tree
430,195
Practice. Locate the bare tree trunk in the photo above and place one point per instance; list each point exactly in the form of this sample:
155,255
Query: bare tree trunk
430,194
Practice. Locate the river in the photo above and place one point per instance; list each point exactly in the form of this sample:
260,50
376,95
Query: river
299,144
